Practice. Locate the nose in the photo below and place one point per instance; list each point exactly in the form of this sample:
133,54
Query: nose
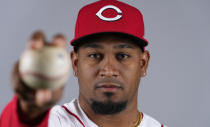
109,68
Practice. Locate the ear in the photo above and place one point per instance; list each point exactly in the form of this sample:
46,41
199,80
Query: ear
74,60
144,62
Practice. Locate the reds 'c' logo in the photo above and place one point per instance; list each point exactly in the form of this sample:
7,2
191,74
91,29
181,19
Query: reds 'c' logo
99,13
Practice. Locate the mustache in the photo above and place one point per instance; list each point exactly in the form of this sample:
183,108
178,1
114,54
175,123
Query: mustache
109,82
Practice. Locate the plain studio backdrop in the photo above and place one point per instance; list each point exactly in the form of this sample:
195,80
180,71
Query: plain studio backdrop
176,89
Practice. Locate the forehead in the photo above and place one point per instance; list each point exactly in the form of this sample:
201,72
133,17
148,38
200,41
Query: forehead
111,41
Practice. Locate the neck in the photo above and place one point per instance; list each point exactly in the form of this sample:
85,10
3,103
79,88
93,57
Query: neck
126,118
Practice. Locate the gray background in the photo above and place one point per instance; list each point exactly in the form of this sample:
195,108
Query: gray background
176,89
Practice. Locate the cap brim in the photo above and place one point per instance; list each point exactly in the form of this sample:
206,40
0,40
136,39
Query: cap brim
139,41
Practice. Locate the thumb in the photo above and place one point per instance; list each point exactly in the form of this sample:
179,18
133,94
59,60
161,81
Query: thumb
42,97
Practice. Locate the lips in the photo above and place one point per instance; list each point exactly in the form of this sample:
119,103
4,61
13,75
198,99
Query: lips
109,87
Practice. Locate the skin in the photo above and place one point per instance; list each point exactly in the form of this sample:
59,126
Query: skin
114,65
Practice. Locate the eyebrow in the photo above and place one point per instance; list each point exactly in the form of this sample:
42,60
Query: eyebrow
92,45
121,46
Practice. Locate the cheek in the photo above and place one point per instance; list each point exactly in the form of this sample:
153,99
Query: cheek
131,75
86,74
131,69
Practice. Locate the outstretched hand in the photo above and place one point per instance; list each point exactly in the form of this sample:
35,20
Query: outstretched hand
33,104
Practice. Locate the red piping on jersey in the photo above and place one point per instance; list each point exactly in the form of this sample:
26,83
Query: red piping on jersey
73,115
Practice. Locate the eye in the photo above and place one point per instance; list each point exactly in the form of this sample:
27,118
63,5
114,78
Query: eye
95,56
122,56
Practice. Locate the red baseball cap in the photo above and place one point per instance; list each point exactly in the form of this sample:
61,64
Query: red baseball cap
109,16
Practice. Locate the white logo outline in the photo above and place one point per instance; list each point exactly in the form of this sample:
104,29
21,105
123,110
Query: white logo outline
99,13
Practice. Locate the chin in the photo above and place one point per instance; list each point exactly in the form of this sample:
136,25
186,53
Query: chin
108,106
108,103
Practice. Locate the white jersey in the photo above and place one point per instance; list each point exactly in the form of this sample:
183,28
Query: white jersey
72,115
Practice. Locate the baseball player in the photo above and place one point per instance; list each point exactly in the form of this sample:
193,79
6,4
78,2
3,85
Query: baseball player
109,59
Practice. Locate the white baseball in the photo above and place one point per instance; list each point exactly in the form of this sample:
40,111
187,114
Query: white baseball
46,68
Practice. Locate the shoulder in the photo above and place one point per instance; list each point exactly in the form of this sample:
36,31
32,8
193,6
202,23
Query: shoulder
149,121
65,111
64,116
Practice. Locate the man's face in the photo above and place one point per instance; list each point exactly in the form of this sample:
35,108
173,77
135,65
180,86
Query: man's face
109,70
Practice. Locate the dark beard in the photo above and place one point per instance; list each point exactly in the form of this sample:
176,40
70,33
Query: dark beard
108,108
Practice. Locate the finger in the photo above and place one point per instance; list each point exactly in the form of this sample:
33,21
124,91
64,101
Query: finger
36,40
43,96
15,76
59,40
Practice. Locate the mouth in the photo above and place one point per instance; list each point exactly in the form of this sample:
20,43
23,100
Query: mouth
109,87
